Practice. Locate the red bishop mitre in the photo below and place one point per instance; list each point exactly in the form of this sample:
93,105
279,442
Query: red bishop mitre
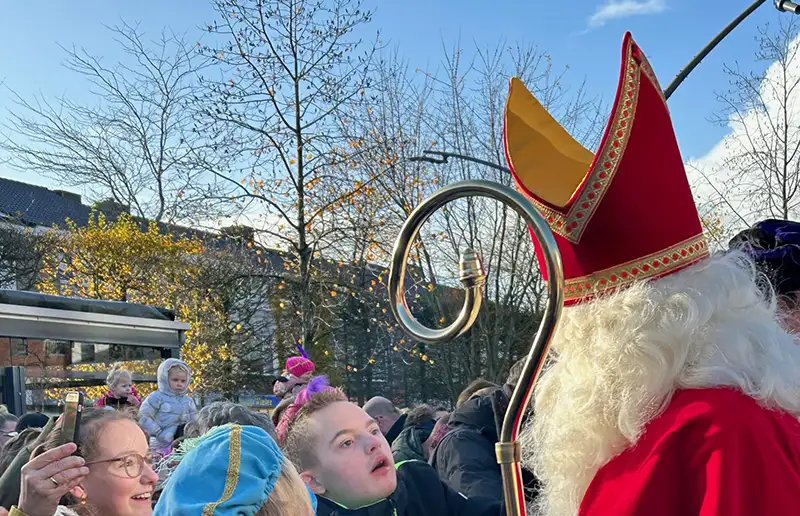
623,215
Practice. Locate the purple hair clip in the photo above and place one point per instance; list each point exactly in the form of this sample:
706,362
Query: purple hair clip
315,385
318,384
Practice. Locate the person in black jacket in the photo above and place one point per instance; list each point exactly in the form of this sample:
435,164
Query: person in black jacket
346,461
476,385
412,443
465,458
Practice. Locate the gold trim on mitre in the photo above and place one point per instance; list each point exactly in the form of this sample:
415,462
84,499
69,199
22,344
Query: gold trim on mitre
549,162
653,265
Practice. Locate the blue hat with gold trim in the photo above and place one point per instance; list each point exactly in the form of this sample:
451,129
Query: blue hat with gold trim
231,470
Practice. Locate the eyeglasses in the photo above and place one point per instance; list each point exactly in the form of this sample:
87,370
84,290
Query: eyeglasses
133,464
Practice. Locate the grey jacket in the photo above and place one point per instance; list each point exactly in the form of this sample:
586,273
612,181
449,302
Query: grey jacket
165,409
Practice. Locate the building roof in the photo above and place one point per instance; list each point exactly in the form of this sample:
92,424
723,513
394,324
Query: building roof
36,205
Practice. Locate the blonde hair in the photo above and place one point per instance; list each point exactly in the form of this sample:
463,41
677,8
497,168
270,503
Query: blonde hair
618,360
290,497
116,375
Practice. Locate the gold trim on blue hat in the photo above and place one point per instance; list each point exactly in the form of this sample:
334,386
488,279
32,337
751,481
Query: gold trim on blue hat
232,476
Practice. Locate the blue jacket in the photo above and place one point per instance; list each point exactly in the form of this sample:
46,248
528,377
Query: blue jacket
165,409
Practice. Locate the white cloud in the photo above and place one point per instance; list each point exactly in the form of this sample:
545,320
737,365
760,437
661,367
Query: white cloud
616,9
727,181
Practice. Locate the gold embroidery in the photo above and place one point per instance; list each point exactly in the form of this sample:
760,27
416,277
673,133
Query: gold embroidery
655,264
595,185
234,464
648,71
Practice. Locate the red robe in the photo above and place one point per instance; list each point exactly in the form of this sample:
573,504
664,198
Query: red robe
713,452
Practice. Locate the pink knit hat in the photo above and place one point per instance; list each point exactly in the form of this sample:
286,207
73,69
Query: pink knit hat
299,366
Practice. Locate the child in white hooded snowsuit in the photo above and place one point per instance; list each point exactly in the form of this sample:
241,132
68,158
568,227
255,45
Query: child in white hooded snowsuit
170,406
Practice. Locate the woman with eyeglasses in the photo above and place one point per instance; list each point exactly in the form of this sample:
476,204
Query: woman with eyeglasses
106,473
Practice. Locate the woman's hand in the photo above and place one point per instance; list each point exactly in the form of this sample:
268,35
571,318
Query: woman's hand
48,477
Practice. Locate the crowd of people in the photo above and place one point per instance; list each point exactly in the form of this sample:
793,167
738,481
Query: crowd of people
317,454
671,387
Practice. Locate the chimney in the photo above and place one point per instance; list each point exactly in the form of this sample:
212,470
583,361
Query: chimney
244,234
111,208
68,195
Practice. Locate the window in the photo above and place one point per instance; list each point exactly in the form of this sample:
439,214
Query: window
56,347
125,353
8,275
19,347
83,353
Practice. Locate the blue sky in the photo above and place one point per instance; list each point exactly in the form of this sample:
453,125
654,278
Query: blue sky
31,32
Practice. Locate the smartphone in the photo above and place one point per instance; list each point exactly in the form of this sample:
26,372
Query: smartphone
71,424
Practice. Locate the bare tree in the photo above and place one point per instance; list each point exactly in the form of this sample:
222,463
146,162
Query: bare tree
287,70
457,108
241,282
759,173
386,131
133,142
471,93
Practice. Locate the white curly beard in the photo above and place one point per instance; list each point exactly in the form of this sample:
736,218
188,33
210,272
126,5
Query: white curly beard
618,360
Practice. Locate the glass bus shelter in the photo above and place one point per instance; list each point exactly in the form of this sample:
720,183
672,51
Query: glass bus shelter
44,341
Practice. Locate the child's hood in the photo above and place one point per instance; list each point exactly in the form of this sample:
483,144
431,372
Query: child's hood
163,376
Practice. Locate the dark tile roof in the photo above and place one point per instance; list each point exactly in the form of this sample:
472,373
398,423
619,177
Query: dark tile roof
36,205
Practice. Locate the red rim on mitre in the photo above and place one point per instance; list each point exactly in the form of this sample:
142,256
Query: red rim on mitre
622,215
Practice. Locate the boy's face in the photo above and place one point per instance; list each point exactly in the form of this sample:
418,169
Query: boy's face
354,462
177,379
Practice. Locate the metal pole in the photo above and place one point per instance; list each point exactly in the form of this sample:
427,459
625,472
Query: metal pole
708,48
781,5
444,156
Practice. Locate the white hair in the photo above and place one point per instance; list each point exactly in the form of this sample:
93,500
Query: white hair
617,360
